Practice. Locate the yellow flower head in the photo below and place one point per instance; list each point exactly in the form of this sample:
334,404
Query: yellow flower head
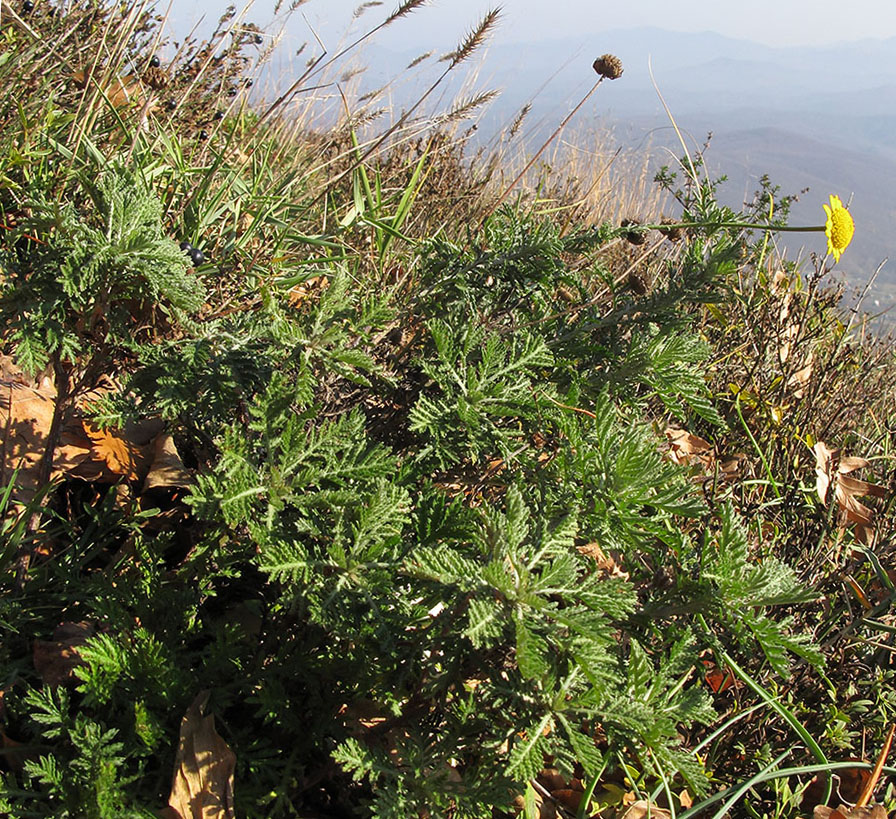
839,227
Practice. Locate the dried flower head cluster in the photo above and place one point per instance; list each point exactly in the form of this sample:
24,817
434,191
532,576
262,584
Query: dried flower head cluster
609,66
632,231
671,230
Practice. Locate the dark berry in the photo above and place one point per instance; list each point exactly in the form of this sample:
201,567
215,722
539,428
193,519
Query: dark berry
171,105
258,39
231,92
203,134
248,83
154,61
196,256
27,7
219,115
186,247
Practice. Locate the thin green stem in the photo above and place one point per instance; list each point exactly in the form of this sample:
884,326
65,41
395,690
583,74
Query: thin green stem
781,773
758,449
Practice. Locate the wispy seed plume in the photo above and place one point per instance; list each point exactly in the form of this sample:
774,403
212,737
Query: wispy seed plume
474,39
464,108
417,60
404,9
364,7
515,125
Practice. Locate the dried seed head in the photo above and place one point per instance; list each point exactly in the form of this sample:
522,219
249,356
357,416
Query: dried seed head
673,232
635,236
155,77
609,66
637,283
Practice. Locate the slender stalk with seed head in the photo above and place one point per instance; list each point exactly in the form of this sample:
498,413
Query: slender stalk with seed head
472,42
317,66
607,67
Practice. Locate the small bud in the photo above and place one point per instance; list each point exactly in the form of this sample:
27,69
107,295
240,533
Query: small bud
609,66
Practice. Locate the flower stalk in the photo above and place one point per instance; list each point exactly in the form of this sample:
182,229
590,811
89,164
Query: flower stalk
839,227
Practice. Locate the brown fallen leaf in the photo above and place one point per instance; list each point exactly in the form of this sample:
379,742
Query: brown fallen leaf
642,809
10,371
832,480
607,564
687,448
167,470
112,456
551,779
848,784
56,660
717,679
569,798
800,377
82,450
26,415
730,468
202,786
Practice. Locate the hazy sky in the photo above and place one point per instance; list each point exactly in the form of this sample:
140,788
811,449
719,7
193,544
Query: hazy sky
443,22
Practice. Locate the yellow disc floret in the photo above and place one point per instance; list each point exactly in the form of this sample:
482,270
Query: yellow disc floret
839,227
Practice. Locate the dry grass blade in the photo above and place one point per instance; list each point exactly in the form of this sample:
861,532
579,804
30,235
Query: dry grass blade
865,798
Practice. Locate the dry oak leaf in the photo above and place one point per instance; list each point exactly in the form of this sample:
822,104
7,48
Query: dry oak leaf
687,448
832,471
26,414
849,785
202,787
642,809
112,456
82,450
608,565
56,660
